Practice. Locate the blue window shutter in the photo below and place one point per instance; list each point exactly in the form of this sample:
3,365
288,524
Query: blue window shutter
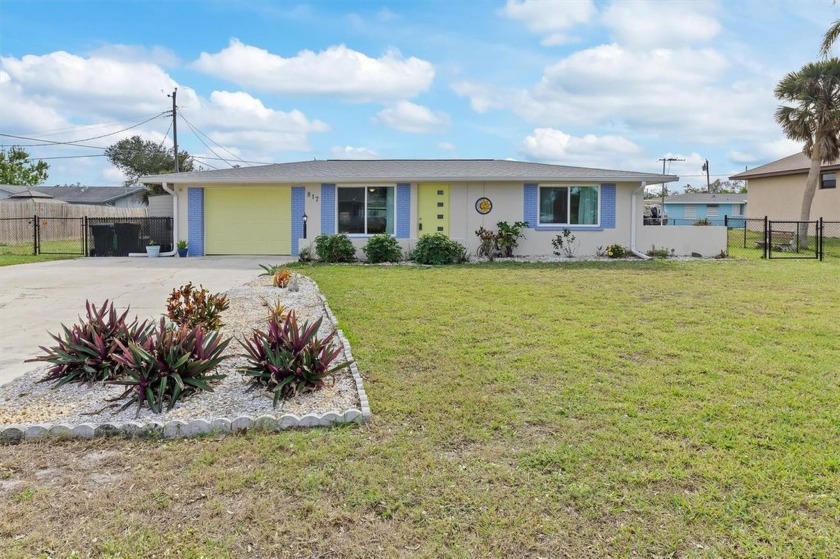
531,204
403,210
195,221
608,206
327,209
298,204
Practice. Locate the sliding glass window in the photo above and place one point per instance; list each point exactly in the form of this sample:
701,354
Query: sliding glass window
569,205
366,210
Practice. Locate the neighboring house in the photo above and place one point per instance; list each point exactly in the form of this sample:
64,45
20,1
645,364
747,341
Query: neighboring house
16,194
686,209
776,189
116,196
277,209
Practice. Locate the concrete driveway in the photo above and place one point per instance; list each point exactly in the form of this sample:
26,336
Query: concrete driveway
36,298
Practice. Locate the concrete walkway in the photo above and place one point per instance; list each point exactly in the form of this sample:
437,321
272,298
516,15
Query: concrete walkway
36,298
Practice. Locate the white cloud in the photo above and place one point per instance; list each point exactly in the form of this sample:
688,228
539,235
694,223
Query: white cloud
337,71
682,94
555,146
112,175
447,146
552,20
643,23
137,53
350,152
410,117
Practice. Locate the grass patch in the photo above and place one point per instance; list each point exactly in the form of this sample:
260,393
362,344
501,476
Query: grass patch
662,408
11,259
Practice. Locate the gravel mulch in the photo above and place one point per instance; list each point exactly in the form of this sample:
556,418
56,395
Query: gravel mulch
24,401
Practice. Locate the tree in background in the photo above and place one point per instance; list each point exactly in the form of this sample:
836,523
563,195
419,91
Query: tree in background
137,157
718,187
814,119
16,168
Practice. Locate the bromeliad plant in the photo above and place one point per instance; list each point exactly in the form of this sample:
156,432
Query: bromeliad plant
194,306
170,364
288,359
282,277
85,352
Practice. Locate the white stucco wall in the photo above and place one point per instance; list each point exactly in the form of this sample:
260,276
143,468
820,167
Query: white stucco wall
781,198
705,240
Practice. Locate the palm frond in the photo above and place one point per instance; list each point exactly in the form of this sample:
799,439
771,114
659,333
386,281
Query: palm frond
830,38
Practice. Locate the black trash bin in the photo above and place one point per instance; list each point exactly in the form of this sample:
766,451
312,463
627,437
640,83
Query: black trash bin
128,238
104,239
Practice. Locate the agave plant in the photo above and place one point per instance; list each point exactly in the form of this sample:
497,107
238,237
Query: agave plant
85,352
288,358
171,364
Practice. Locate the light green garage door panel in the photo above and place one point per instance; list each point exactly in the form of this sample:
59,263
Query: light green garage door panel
248,220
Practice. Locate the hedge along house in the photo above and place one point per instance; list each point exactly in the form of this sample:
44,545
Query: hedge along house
278,209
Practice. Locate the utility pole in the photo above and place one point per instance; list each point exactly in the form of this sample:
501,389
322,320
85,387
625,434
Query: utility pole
706,168
175,125
664,160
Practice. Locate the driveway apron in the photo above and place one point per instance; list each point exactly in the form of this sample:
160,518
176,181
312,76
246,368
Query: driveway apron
37,298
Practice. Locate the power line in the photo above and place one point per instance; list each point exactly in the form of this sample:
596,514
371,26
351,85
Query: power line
72,156
207,146
200,160
195,129
74,142
59,131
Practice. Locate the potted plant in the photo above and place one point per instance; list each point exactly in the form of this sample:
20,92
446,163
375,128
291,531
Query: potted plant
152,249
182,248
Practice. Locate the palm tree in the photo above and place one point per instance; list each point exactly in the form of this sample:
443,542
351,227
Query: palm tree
830,38
814,119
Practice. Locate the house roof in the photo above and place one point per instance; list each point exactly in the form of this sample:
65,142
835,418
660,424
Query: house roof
24,192
706,198
411,170
90,194
790,165
13,189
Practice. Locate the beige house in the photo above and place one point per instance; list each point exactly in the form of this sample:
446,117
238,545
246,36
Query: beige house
279,209
775,189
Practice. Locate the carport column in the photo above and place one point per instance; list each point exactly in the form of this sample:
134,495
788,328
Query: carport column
195,221
298,209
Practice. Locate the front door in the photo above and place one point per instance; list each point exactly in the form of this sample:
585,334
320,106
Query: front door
432,209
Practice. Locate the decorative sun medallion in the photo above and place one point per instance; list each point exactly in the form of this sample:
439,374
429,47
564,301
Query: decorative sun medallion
483,205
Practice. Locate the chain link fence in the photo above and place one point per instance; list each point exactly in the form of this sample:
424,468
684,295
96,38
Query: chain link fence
777,239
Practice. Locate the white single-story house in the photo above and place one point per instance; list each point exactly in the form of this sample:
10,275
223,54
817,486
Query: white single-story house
776,189
277,209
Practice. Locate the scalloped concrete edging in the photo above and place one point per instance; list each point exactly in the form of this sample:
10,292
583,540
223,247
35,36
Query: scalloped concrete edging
13,434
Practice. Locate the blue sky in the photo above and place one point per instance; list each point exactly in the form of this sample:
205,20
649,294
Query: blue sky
604,84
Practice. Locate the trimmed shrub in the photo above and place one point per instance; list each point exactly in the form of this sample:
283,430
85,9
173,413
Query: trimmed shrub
335,248
616,251
437,248
288,358
382,248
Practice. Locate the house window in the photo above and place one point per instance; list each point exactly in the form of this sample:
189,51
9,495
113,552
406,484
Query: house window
737,209
365,210
569,205
828,180
690,211
712,210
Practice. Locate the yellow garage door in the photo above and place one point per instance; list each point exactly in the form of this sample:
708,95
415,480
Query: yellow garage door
247,220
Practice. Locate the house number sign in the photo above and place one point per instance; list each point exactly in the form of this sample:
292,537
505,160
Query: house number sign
483,205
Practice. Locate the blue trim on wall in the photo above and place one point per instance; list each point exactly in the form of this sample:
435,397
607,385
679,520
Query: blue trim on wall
298,209
403,210
195,221
608,203
327,209
531,204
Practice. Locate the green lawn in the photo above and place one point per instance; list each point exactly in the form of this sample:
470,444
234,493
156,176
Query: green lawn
55,250
658,408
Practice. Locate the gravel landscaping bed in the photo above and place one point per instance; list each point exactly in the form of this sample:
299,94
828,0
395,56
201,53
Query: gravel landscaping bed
29,409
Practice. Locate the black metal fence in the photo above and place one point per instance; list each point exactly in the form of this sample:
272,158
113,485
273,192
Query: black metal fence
119,236
782,239
91,236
